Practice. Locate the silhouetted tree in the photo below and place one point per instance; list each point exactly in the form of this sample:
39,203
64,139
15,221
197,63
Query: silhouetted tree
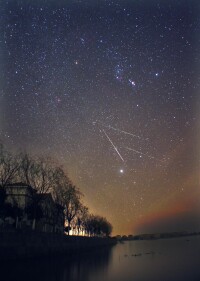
81,217
97,225
106,227
41,175
9,166
44,177
38,172
67,195
71,203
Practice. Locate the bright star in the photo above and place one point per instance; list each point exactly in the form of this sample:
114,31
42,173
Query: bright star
132,82
121,171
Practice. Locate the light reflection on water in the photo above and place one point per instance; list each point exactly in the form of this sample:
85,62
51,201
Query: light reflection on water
157,260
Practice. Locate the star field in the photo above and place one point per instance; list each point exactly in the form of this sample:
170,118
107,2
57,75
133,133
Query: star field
110,89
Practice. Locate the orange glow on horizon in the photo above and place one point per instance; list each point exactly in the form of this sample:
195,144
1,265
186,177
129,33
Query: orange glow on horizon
181,207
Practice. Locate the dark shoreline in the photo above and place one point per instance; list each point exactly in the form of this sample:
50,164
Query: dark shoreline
157,236
31,245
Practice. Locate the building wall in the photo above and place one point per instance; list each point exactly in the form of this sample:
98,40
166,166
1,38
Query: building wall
52,220
19,196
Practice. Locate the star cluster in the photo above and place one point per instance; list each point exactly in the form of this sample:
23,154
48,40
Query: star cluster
110,90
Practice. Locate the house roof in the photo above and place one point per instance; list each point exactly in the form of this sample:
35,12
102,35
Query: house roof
41,196
18,184
45,196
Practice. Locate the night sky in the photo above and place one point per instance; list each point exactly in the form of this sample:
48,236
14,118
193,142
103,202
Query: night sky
110,90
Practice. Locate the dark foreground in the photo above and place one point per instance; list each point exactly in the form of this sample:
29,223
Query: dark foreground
154,260
33,245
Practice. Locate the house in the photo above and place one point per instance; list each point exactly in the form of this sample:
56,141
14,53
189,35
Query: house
39,210
52,219
19,195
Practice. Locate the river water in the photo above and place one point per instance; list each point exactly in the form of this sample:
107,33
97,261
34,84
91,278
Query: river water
156,260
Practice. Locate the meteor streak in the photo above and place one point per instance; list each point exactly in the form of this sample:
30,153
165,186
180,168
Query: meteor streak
118,130
115,148
139,152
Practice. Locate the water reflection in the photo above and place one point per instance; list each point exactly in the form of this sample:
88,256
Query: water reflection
78,267
159,260
166,260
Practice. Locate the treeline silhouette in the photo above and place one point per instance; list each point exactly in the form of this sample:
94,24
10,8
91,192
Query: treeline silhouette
46,177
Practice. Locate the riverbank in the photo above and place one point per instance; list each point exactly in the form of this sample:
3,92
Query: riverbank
167,259
27,245
156,236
